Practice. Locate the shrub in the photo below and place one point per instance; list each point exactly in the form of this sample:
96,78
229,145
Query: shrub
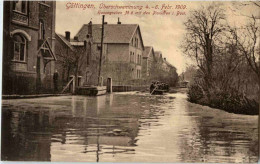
195,93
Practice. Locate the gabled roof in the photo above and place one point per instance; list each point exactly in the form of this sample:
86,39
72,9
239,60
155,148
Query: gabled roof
65,41
158,55
147,51
113,33
46,50
169,64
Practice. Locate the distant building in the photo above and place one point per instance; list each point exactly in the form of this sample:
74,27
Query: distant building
158,56
28,46
167,66
73,56
122,51
162,70
148,59
64,50
158,61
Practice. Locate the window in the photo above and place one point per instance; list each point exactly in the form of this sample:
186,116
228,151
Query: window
19,48
89,52
20,6
130,56
133,57
42,30
138,74
137,42
139,59
99,47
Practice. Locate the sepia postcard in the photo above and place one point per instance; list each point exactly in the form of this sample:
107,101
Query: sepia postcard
130,81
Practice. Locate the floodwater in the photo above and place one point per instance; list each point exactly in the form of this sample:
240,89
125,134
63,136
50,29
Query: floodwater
125,127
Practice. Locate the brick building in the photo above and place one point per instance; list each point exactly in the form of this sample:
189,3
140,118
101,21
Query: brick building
28,46
122,51
73,59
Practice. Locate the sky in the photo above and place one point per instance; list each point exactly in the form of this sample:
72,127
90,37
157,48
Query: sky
164,32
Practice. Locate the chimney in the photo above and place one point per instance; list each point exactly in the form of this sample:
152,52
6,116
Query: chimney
76,38
90,28
118,22
67,35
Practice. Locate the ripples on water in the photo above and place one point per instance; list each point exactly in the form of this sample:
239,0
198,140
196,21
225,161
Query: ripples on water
125,127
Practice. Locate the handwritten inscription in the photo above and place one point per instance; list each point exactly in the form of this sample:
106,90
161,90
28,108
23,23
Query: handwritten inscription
118,9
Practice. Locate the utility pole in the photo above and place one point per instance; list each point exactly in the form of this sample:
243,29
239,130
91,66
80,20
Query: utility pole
101,51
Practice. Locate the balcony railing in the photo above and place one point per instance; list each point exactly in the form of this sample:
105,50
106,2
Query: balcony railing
20,17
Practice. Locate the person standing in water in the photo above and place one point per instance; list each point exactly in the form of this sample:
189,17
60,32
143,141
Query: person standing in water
55,80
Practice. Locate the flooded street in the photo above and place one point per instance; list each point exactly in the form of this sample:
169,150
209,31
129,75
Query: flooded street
125,127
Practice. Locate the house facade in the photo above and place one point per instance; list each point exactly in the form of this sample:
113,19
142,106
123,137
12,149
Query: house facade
148,59
64,53
28,46
74,59
122,54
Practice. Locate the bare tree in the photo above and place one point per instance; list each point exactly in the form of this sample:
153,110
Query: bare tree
247,39
203,37
251,5
72,59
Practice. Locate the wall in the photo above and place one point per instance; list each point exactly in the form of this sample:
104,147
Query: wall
145,67
137,48
15,71
118,52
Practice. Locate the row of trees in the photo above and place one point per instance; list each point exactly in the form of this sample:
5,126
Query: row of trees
227,58
159,74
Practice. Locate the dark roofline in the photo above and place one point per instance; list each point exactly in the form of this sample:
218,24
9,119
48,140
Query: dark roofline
169,64
137,27
151,50
60,37
80,29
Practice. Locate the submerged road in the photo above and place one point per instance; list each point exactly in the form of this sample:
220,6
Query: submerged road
125,127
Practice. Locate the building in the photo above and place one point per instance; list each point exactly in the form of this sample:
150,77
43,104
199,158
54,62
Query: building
161,63
157,62
28,46
148,59
64,53
75,58
122,51
162,70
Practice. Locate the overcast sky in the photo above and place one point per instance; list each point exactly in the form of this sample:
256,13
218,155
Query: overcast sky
164,32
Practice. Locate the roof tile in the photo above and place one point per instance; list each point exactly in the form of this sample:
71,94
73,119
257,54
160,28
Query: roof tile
113,33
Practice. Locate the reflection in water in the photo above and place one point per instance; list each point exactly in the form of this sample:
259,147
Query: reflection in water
125,127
